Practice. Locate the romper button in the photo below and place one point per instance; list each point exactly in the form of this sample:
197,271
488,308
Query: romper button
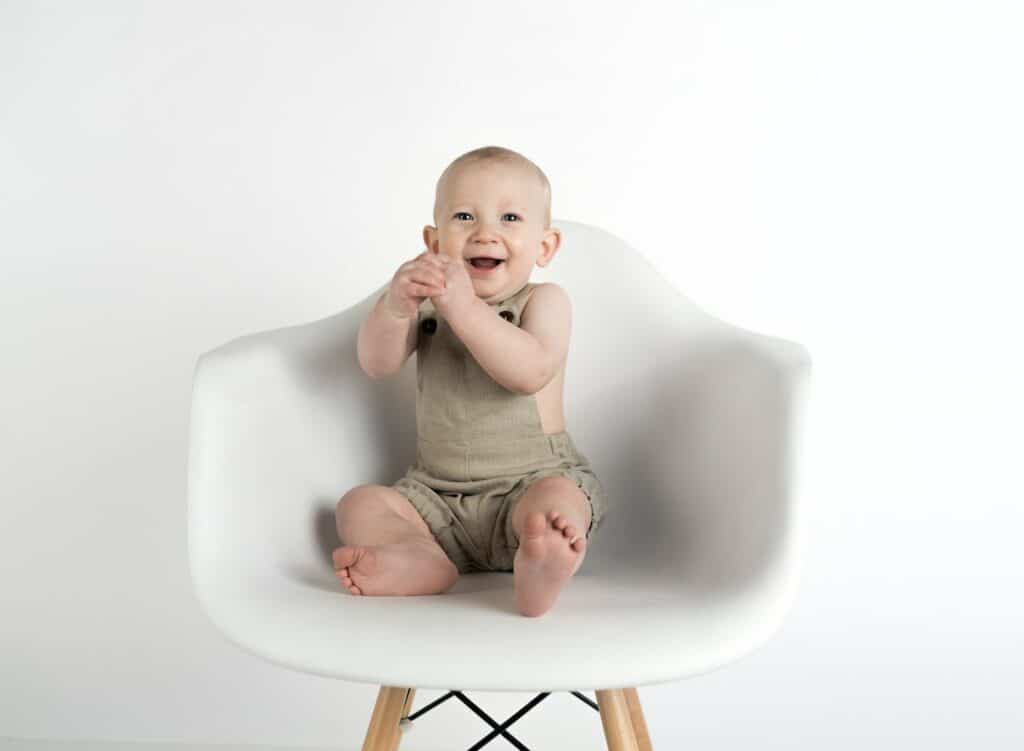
429,326
508,315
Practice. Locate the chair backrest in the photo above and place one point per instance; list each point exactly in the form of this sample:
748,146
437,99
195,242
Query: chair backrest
284,422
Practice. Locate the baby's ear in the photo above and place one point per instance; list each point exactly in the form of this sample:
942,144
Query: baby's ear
430,238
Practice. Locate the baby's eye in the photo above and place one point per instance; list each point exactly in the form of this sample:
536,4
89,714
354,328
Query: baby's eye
461,213
514,215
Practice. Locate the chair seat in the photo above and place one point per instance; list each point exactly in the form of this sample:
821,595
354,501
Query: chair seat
599,633
691,423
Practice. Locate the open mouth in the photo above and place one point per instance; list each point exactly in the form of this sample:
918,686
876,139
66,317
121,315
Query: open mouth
485,263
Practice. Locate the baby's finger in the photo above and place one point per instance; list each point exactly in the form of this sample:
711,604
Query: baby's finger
436,269
430,277
424,290
426,257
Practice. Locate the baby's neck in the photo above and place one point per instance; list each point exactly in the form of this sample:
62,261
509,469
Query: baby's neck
506,295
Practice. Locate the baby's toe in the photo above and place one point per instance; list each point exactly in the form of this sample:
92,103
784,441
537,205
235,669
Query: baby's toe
557,520
350,585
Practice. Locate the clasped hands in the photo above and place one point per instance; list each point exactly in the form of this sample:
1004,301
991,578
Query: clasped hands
459,296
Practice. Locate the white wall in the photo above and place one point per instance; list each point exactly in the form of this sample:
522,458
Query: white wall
847,175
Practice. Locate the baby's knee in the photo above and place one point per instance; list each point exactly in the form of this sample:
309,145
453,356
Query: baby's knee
358,500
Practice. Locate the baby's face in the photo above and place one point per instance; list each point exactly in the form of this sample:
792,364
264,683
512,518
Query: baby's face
493,210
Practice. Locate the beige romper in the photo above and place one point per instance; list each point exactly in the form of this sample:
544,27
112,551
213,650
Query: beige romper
479,447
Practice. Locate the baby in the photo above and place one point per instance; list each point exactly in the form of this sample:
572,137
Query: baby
498,484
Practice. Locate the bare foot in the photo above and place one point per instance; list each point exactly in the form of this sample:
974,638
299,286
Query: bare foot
406,568
550,551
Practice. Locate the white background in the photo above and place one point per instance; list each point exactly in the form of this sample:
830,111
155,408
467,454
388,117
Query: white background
847,175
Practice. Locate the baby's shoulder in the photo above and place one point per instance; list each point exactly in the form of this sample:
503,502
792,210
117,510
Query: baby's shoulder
546,299
546,291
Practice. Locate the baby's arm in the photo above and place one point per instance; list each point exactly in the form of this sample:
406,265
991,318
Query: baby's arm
548,318
385,341
521,358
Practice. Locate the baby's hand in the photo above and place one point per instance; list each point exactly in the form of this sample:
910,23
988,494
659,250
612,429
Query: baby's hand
414,282
458,293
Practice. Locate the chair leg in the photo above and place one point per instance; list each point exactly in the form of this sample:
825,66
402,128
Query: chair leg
636,714
621,717
384,733
615,718
406,709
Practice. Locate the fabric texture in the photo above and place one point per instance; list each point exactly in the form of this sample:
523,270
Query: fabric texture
479,448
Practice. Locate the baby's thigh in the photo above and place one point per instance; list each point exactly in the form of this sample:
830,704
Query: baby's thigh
382,496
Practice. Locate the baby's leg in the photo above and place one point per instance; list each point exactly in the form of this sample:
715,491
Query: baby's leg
387,549
551,519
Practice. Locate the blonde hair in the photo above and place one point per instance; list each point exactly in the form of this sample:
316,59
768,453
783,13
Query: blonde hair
501,155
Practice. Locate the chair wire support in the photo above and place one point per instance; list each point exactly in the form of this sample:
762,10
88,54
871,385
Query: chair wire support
502,729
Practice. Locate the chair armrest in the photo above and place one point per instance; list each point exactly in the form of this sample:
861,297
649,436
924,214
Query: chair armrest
283,422
726,477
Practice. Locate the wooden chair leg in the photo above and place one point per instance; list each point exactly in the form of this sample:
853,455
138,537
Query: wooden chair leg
406,709
615,717
636,714
383,733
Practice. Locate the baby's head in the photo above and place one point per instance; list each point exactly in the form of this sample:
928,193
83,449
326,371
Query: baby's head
493,202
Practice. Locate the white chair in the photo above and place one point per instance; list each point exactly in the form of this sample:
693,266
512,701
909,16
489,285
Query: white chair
693,426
